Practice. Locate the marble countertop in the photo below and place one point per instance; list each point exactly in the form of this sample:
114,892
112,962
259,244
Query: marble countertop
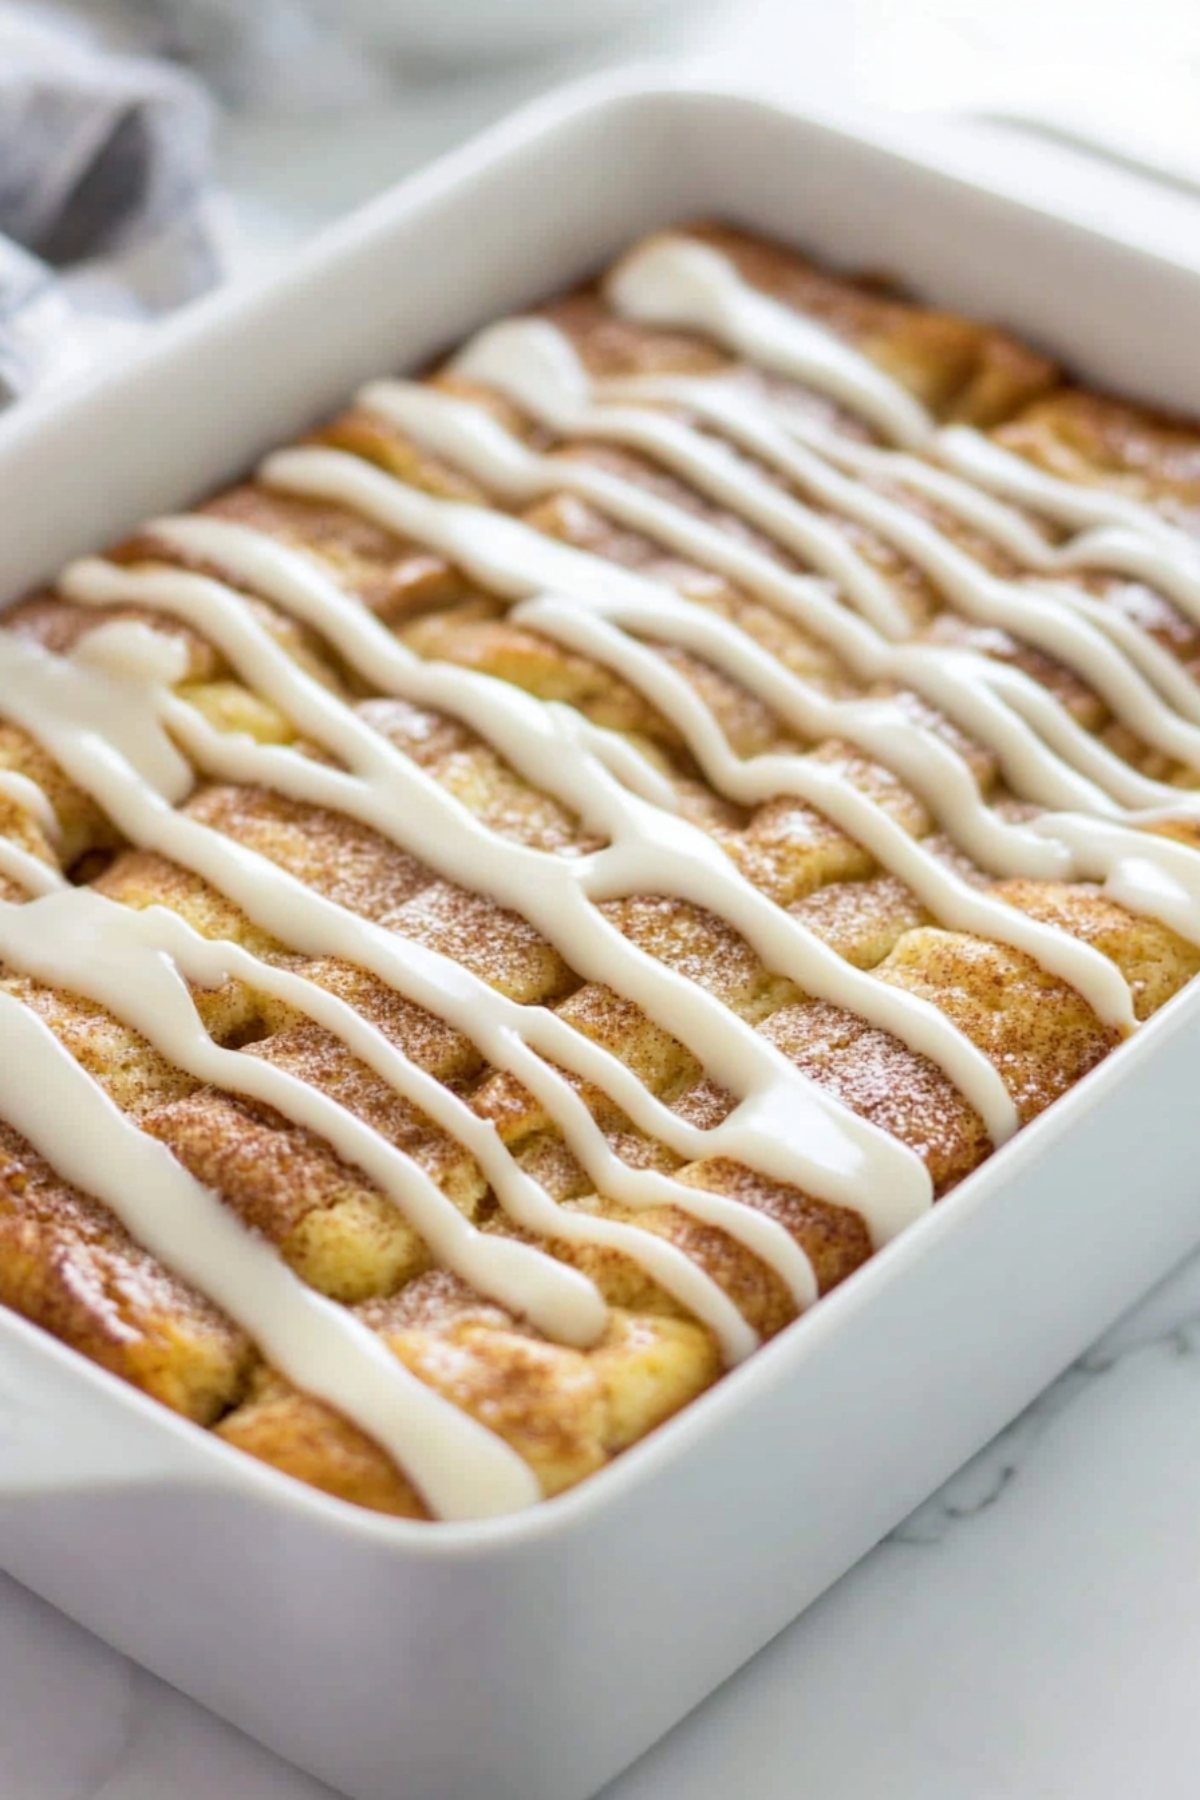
1031,1632
1034,1629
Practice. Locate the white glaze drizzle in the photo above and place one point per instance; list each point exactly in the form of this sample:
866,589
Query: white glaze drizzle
961,683
281,904
533,364
530,362
1148,874
958,687
1067,503
1039,613
986,698
462,1469
139,949
26,870
519,562
648,853
761,1131
1124,538
132,964
677,281
644,607
144,956
1115,534
956,904
297,585
673,280
31,799
400,786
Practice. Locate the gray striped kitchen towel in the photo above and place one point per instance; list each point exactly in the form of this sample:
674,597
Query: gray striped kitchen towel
104,165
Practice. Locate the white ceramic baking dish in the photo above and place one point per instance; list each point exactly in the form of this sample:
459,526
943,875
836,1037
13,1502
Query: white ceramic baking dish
532,1658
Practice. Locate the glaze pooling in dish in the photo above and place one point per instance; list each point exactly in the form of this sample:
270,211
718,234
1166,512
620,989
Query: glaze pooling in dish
531,891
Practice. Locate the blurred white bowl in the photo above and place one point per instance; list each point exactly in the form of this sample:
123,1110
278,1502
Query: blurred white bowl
477,30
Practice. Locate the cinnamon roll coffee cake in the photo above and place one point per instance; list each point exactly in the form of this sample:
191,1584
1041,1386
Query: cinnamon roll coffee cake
505,908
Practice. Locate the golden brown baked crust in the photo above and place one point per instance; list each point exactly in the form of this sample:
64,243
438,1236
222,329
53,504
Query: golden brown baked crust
1104,442
68,1265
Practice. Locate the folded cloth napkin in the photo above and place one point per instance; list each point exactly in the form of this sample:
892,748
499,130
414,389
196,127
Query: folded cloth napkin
104,164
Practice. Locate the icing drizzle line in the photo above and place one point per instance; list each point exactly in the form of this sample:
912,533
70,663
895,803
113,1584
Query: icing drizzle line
109,716
465,1471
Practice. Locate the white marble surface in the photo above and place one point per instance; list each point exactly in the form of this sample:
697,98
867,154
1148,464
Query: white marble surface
1034,1630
